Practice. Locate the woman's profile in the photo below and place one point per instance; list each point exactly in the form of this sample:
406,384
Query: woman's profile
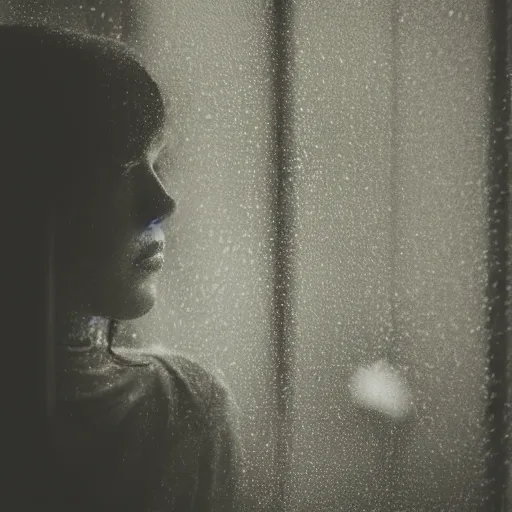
145,433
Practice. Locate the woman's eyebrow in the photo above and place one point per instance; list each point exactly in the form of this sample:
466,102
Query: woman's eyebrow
161,149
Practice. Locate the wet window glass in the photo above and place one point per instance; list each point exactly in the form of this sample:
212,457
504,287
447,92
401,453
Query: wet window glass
337,245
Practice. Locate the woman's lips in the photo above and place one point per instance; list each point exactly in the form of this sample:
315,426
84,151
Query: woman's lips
151,257
151,263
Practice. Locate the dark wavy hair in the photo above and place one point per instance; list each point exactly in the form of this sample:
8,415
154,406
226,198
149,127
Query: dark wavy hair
69,97
69,101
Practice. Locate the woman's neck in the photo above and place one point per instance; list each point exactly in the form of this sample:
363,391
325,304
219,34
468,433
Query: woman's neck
79,330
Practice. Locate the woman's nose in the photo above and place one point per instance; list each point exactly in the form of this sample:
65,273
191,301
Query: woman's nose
161,206
157,203
164,205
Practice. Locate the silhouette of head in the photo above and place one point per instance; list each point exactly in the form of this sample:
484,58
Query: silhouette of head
81,126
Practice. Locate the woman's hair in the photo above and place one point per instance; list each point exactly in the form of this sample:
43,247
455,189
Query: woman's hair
69,98
70,104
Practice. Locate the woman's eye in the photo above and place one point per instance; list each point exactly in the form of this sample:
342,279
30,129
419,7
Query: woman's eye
128,167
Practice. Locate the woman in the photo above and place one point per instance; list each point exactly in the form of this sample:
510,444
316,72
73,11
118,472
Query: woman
82,128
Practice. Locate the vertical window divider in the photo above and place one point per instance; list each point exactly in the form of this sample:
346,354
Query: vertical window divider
498,190
282,219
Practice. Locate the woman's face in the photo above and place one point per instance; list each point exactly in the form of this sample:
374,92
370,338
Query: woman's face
109,248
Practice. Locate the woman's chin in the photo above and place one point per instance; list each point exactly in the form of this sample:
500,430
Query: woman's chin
133,304
141,303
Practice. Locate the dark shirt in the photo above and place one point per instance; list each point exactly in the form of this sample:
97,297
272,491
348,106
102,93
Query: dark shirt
151,438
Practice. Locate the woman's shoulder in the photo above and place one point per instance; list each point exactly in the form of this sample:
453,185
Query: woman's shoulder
182,378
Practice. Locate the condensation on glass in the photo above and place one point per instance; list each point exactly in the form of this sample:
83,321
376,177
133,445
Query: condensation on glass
389,123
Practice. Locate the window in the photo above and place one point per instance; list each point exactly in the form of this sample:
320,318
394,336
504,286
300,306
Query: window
331,166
